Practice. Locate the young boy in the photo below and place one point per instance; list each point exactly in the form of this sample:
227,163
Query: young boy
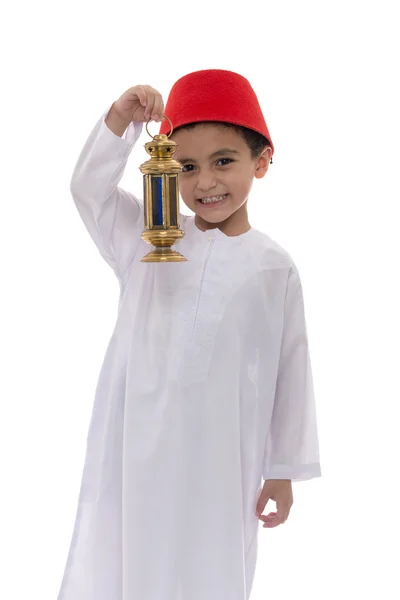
206,387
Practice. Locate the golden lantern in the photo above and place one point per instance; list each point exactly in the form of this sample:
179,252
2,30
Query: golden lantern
161,199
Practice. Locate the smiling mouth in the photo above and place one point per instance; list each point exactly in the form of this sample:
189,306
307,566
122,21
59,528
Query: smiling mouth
212,200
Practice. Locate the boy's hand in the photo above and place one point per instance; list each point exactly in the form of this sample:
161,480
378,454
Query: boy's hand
279,490
140,103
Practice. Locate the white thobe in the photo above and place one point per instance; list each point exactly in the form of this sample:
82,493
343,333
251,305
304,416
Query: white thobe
205,390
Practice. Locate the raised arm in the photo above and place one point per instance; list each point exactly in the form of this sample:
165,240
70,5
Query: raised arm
113,216
110,214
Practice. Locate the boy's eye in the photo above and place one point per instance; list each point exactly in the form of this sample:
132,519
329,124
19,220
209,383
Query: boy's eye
225,159
187,168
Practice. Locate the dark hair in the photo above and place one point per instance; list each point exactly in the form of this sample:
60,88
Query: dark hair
255,141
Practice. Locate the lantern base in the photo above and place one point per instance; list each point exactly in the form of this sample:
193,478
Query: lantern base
163,240
163,255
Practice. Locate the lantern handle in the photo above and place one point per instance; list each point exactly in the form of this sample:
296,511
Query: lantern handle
164,117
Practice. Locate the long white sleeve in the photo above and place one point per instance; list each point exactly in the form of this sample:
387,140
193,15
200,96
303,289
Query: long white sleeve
111,215
292,450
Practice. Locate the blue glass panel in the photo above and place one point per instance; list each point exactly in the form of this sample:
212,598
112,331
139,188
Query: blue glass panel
156,189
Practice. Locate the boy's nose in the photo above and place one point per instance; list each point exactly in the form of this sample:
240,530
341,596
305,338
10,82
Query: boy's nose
206,183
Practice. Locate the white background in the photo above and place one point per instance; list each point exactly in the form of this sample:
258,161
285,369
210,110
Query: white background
326,74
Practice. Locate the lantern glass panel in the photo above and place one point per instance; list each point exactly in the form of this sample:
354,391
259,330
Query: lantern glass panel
173,201
145,202
156,191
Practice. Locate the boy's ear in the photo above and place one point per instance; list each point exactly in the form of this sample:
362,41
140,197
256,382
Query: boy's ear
263,163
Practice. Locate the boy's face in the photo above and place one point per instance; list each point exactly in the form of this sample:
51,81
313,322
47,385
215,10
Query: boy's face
218,172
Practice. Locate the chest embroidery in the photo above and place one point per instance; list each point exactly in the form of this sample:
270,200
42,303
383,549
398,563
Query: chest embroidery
200,308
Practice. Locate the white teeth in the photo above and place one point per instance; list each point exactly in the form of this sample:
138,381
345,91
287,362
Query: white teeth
211,199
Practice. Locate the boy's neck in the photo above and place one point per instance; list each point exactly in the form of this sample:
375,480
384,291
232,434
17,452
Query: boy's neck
236,224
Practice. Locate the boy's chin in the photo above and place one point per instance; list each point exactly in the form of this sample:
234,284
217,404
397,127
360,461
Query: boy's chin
213,216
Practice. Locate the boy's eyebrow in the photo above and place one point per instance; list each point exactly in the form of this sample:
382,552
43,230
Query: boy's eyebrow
213,155
224,151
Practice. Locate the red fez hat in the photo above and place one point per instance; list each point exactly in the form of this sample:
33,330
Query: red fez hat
214,95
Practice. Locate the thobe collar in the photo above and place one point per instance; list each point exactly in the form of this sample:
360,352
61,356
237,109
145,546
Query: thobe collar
214,234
